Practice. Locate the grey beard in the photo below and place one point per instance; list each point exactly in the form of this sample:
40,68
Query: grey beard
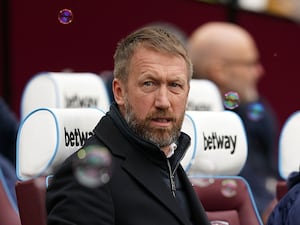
160,137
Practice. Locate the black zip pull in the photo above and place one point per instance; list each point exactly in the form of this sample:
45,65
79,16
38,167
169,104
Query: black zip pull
172,179
173,186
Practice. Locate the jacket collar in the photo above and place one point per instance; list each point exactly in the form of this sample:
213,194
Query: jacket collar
293,179
151,150
135,163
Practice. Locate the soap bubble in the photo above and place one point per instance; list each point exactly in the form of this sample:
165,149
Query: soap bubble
65,16
255,111
229,188
93,166
231,100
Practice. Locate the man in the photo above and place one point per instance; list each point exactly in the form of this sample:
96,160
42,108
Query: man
142,131
8,134
226,54
287,210
9,125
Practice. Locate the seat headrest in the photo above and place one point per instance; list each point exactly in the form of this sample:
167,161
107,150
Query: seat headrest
64,90
289,144
218,143
204,95
47,136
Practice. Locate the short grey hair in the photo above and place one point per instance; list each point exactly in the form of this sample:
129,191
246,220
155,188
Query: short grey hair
152,37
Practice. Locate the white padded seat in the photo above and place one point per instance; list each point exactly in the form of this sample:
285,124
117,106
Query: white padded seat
204,95
64,90
289,144
47,136
219,144
216,156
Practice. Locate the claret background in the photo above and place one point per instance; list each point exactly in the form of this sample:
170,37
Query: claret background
32,39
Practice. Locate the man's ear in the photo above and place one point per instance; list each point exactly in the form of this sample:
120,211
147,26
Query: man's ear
217,72
118,90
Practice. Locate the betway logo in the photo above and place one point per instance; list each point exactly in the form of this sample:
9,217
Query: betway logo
76,137
198,107
80,102
215,141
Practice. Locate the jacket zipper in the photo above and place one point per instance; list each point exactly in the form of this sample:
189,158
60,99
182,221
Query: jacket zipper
172,179
171,175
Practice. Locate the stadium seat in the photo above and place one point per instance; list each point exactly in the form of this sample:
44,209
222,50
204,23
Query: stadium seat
31,201
49,135
217,154
46,137
204,157
288,152
217,137
64,90
228,199
204,95
289,142
288,157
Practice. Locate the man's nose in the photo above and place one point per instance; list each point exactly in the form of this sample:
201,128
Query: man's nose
162,98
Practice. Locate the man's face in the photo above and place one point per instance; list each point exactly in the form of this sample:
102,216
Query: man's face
243,71
154,100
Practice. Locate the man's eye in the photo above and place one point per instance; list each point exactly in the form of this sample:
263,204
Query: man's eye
175,85
148,83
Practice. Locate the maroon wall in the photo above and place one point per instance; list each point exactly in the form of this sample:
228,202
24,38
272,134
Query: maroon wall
278,41
40,43
1,53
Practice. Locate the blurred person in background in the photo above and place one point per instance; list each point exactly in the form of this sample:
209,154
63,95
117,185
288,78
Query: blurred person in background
8,134
8,177
227,54
9,125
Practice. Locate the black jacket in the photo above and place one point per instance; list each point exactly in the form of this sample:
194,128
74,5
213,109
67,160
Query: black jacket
287,210
139,191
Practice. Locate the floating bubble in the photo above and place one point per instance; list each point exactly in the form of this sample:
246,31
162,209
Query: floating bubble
93,166
255,111
65,16
231,100
229,188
